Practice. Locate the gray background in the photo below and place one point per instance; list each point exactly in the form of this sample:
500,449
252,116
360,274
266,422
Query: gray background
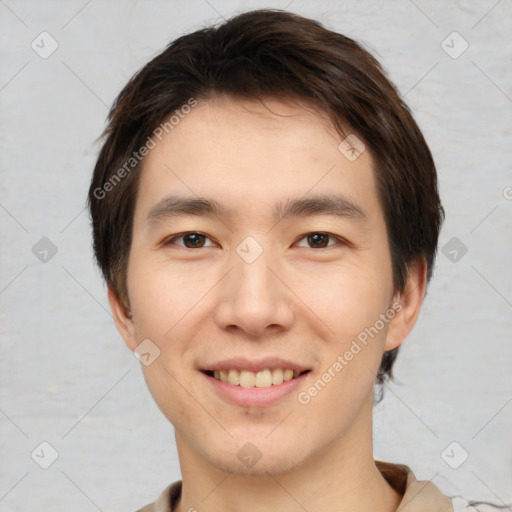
66,377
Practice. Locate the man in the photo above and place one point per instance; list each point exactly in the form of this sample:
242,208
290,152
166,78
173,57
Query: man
266,216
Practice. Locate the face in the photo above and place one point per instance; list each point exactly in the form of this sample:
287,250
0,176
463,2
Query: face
283,265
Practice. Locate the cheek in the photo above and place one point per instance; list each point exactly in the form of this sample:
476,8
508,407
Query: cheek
167,392
355,305
165,304
348,299
160,298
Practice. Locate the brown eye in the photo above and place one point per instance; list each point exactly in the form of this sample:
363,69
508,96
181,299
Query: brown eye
194,239
190,240
319,240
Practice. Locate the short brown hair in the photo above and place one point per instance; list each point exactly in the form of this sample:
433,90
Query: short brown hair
261,54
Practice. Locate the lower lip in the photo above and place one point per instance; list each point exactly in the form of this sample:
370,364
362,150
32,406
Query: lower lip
255,397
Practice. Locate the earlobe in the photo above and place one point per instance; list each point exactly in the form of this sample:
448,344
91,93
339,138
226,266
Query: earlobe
122,318
410,301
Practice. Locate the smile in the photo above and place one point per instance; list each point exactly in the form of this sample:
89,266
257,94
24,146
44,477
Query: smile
261,379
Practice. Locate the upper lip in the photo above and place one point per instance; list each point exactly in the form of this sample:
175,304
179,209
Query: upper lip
255,365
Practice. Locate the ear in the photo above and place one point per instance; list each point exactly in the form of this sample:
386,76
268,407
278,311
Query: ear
122,319
408,305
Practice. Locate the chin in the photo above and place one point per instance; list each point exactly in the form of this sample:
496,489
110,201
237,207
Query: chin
258,456
264,467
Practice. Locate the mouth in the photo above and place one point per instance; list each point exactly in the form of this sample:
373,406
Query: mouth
264,387
269,377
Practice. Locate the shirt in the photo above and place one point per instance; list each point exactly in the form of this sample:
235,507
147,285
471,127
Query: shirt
417,495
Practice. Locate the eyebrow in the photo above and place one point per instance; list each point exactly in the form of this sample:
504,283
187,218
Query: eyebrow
326,204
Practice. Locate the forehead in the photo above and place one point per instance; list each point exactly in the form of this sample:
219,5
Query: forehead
223,119
252,156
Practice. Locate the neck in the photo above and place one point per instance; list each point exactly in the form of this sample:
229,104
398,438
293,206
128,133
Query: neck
341,476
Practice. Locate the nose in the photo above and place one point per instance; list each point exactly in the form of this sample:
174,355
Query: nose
254,298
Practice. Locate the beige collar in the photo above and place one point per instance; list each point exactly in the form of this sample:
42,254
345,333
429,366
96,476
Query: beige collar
418,496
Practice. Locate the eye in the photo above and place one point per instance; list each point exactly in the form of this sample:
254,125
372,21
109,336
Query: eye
319,240
195,240
191,240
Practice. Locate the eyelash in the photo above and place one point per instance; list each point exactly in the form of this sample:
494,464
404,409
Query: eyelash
170,241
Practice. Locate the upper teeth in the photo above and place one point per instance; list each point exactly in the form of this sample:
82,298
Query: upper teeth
261,379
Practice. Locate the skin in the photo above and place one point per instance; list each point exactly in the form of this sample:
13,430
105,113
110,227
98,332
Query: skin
296,300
